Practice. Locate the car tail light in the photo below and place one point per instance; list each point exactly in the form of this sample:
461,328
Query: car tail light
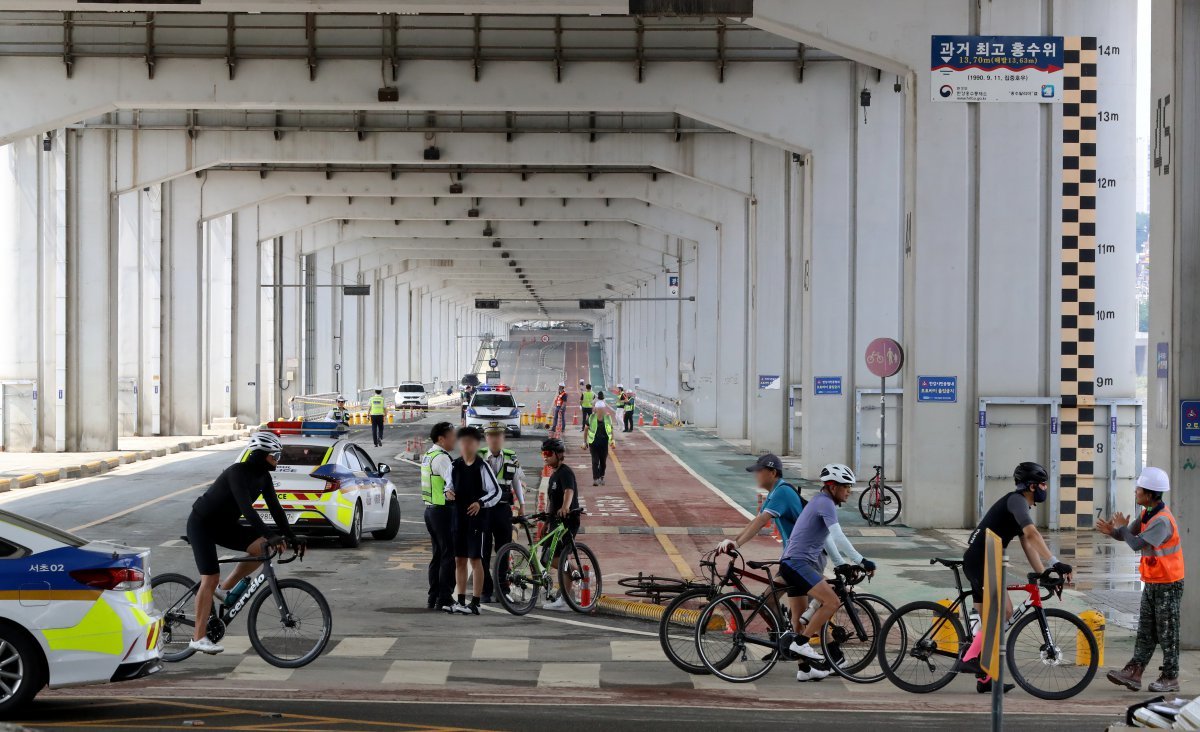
111,578
330,486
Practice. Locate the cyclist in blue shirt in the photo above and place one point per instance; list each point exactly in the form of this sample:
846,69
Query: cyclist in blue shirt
783,503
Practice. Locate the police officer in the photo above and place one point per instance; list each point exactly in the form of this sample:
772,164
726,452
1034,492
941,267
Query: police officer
439,517
597,433
377,408
628,406
511,477
339,413
587,401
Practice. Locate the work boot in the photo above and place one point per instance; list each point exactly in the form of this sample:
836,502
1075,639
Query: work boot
1130,677
1165,684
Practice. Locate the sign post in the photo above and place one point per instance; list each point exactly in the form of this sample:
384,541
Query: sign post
885,358
991,655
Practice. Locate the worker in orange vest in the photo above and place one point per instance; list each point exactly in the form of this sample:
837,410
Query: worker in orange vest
560,409
1156,535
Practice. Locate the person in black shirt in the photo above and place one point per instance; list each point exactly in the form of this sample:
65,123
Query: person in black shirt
474,489
562,497
214,522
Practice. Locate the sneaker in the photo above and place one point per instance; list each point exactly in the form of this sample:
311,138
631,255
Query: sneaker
474,608
601,480
204,645
835,653
969,667
559,605
985,687
596,482
805,651
459,609
809,672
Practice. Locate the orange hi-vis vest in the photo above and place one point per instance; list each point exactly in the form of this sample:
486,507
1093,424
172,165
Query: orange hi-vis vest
560,399
1162,564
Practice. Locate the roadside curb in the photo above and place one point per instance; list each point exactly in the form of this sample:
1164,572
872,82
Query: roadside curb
98,467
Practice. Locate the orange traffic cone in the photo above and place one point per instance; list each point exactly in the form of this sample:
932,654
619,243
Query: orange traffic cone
575,419
541,508
585,595
655,422
538,413
641,419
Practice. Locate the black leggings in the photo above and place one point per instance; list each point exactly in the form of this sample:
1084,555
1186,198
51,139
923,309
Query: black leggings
599,459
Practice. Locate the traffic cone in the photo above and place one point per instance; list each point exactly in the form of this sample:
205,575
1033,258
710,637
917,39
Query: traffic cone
641,419
538,413
655,422
585,594
575,419
541,527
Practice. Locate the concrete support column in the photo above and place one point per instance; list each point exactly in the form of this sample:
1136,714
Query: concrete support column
217,289
289,326
704,398
92,295
732,356
22,305
404,339
324,347
247,320
129,326
390,330
182,334
369,367
351,330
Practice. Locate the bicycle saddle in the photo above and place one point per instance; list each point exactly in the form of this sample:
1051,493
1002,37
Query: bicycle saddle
762,565
947,562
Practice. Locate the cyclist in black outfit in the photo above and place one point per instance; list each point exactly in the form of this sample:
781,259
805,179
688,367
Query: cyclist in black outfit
1009,518
562,495
214,522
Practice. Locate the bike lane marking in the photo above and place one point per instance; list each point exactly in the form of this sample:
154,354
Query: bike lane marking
719,493
667,545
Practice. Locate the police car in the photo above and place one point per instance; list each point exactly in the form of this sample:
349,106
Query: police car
352,493
489,405
72,612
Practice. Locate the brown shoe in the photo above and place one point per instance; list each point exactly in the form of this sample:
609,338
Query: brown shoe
1130,677
1165,684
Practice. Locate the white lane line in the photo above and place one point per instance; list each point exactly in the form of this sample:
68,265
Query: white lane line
570,675
578,623
501,649
623,650
720,494
432,673
361,647
253,668
138,507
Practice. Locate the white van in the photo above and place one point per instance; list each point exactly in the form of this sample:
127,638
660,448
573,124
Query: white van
411,395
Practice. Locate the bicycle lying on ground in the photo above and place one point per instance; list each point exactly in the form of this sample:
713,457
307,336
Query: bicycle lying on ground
879,503
523,573
1051,653
740,636
304,622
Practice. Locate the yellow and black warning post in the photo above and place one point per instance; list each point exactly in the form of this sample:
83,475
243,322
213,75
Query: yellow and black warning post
991,656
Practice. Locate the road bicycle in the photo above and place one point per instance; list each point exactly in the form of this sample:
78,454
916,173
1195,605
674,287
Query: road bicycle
1051,653
879,503
291,634
740,636
523,573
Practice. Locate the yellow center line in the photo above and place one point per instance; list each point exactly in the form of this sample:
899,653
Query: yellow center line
667,545
138,507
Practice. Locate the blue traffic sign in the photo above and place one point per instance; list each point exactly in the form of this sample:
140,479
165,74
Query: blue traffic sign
827,385
493,362
1189,422
937,388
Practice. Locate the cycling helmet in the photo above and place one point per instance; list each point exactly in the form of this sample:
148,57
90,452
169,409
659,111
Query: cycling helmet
554,445
1027,473
837,473
265,441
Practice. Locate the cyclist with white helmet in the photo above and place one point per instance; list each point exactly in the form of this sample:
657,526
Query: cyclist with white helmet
214,522
803,565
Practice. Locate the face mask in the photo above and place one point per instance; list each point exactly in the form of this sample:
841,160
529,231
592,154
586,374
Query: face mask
1039,495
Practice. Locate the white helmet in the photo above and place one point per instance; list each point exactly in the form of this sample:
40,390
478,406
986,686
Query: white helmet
266,441
340,398
1154,479
837,473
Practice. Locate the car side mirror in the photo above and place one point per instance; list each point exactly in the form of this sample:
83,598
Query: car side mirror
521,405
384,468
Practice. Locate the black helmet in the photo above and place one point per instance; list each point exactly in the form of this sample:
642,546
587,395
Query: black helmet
554,445
1027,473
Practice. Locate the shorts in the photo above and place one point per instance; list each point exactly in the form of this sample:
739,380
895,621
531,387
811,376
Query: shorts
205,536
800,578
469,533
973,570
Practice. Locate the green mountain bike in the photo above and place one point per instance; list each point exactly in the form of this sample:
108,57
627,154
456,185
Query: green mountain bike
523,573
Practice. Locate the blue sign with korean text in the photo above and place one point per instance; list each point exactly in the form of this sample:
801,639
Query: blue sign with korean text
827,385
1189,423
937,388
996,68
768,381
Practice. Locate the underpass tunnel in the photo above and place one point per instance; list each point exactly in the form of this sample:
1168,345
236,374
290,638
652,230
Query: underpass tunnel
200,234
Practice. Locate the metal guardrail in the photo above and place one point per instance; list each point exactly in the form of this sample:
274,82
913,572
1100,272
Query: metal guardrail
667,409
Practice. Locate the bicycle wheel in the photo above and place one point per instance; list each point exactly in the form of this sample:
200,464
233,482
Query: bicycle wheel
849,653
737,637
579,577
918,646
515,576
677,630
879,507
871,672
179,624
1054,662
297,638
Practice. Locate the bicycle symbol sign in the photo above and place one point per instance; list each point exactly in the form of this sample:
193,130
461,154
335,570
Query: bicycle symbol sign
885,357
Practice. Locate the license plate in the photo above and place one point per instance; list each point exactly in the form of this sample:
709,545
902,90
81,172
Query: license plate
292,517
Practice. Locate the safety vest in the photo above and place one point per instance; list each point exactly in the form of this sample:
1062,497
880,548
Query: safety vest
340,415
1162,564
508,468
587,399
433,486
591,433
629,404
561,399
377,405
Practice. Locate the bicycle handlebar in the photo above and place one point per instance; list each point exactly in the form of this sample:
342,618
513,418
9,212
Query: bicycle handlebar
1051,580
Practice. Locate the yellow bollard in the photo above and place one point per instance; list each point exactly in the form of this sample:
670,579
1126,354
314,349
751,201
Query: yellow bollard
391,417
946,636
1094,620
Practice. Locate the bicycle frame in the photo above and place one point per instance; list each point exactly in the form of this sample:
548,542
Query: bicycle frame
1034,601
265,575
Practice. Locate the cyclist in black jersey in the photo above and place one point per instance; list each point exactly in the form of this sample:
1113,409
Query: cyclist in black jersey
214,522
1009,518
